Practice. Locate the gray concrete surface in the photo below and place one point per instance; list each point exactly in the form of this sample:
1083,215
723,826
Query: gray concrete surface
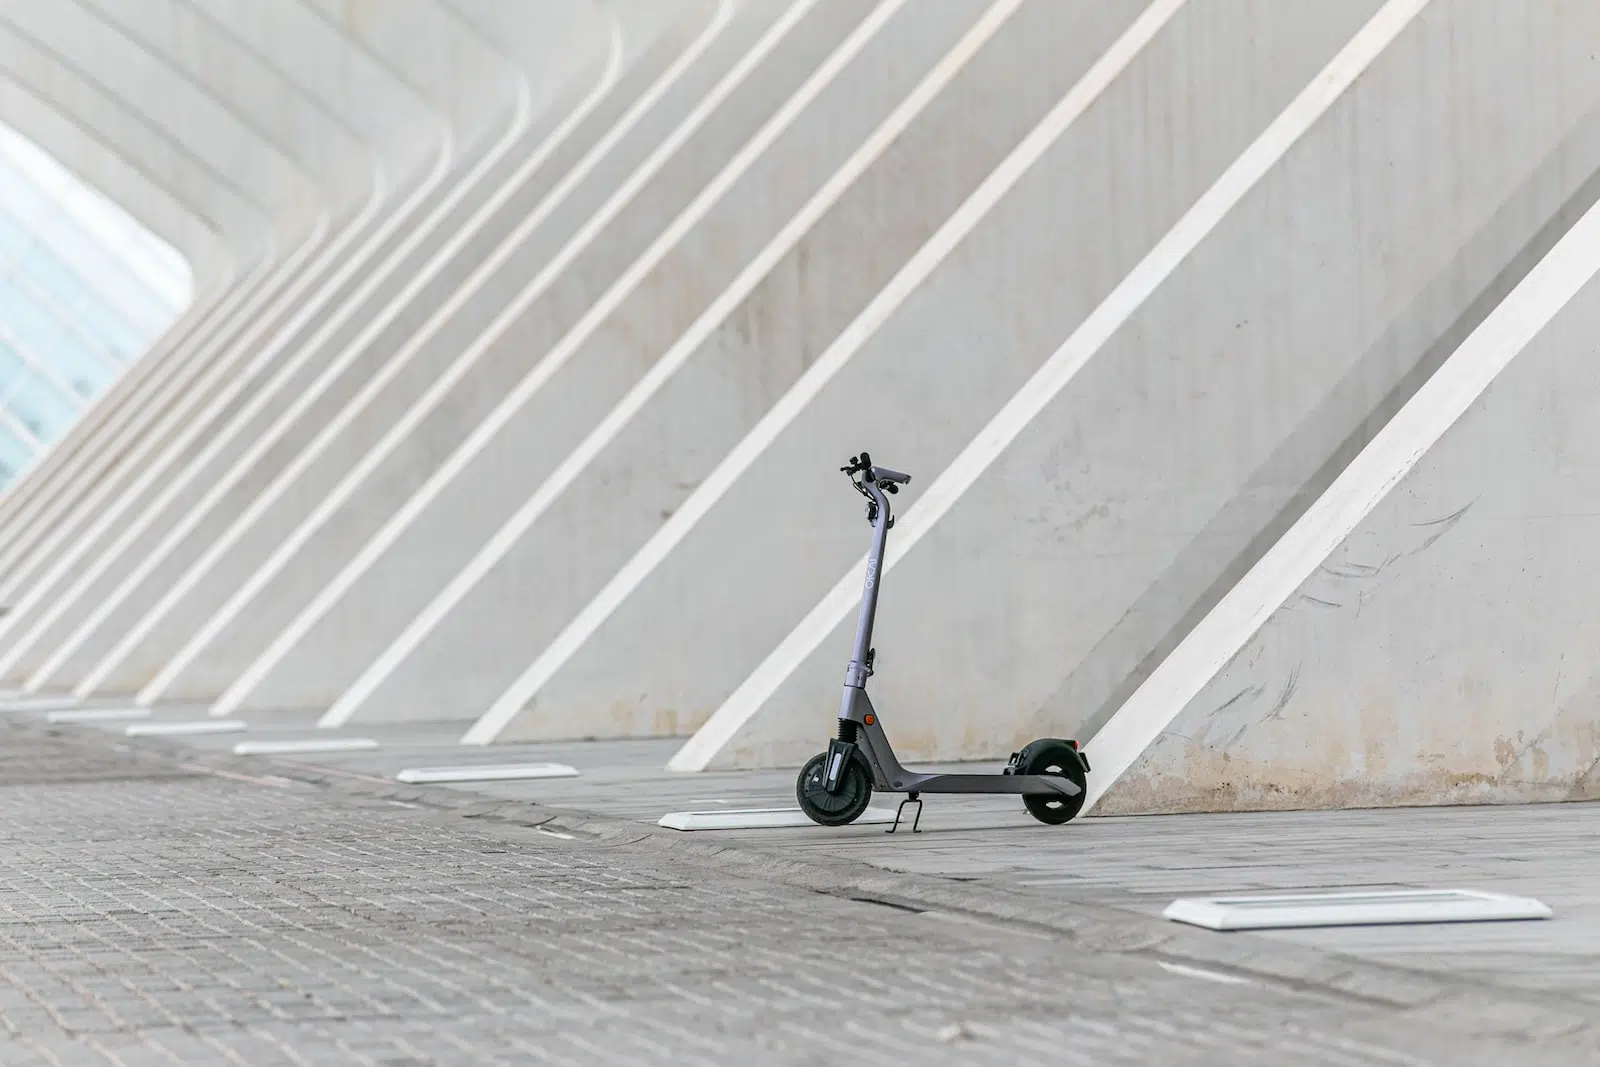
298,182
943,361
1172,459
485,628
1131,864
102,136
163,908
388,95
486,216
736,367
501,305
216,253
1440,653
399,461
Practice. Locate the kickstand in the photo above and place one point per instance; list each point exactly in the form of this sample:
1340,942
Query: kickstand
911,798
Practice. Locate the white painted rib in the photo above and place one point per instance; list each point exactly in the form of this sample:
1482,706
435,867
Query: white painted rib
293,748
509,772
239,382
357,405
306,292
89,715
910,276
259,397
1106,319
185,729
571,468
450,203
71,565
756,819
173,360
592,319
1376,470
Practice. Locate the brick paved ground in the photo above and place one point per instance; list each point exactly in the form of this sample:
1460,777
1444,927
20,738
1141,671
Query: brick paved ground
155,915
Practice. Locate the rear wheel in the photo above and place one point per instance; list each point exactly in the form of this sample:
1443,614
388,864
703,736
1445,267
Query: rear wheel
1054,757
833,809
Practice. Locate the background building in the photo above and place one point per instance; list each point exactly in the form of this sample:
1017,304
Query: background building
492,363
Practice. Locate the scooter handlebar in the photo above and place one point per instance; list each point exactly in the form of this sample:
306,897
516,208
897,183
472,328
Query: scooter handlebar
863,463
884,474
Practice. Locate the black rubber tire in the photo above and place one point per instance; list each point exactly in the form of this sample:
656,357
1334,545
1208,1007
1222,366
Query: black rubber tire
1055,757
833,809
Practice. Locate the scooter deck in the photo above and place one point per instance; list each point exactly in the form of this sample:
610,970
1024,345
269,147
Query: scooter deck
1023,784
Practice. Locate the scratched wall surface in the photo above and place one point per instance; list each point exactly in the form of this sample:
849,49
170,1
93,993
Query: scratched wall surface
1190,440
1444,653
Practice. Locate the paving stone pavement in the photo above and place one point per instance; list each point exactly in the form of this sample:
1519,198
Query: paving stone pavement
155,911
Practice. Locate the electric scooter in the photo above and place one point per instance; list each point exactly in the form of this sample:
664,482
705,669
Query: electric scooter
835,786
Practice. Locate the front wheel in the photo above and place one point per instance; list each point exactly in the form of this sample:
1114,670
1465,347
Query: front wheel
1054,757
833,809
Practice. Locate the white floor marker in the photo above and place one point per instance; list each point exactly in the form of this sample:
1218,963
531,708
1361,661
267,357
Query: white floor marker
514,772
185,729
756,818
41,703
97,715
1283,911
287,748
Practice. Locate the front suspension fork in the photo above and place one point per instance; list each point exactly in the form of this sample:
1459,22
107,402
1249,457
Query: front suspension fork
840,753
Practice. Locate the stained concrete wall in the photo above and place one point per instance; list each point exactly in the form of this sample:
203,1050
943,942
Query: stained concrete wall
219,247
425,413
1426,623
1162,469
270,491
465,149
522,376
336,169
950,353
864,77
243,209
307,392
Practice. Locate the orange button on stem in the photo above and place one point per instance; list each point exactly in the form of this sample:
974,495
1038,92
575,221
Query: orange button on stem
870,720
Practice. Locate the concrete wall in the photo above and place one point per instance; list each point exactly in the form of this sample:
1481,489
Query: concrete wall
220,245
178,63
426,214
341,421
51,91
531,337
953,348
484,193
1150,482
1420,633
865,76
